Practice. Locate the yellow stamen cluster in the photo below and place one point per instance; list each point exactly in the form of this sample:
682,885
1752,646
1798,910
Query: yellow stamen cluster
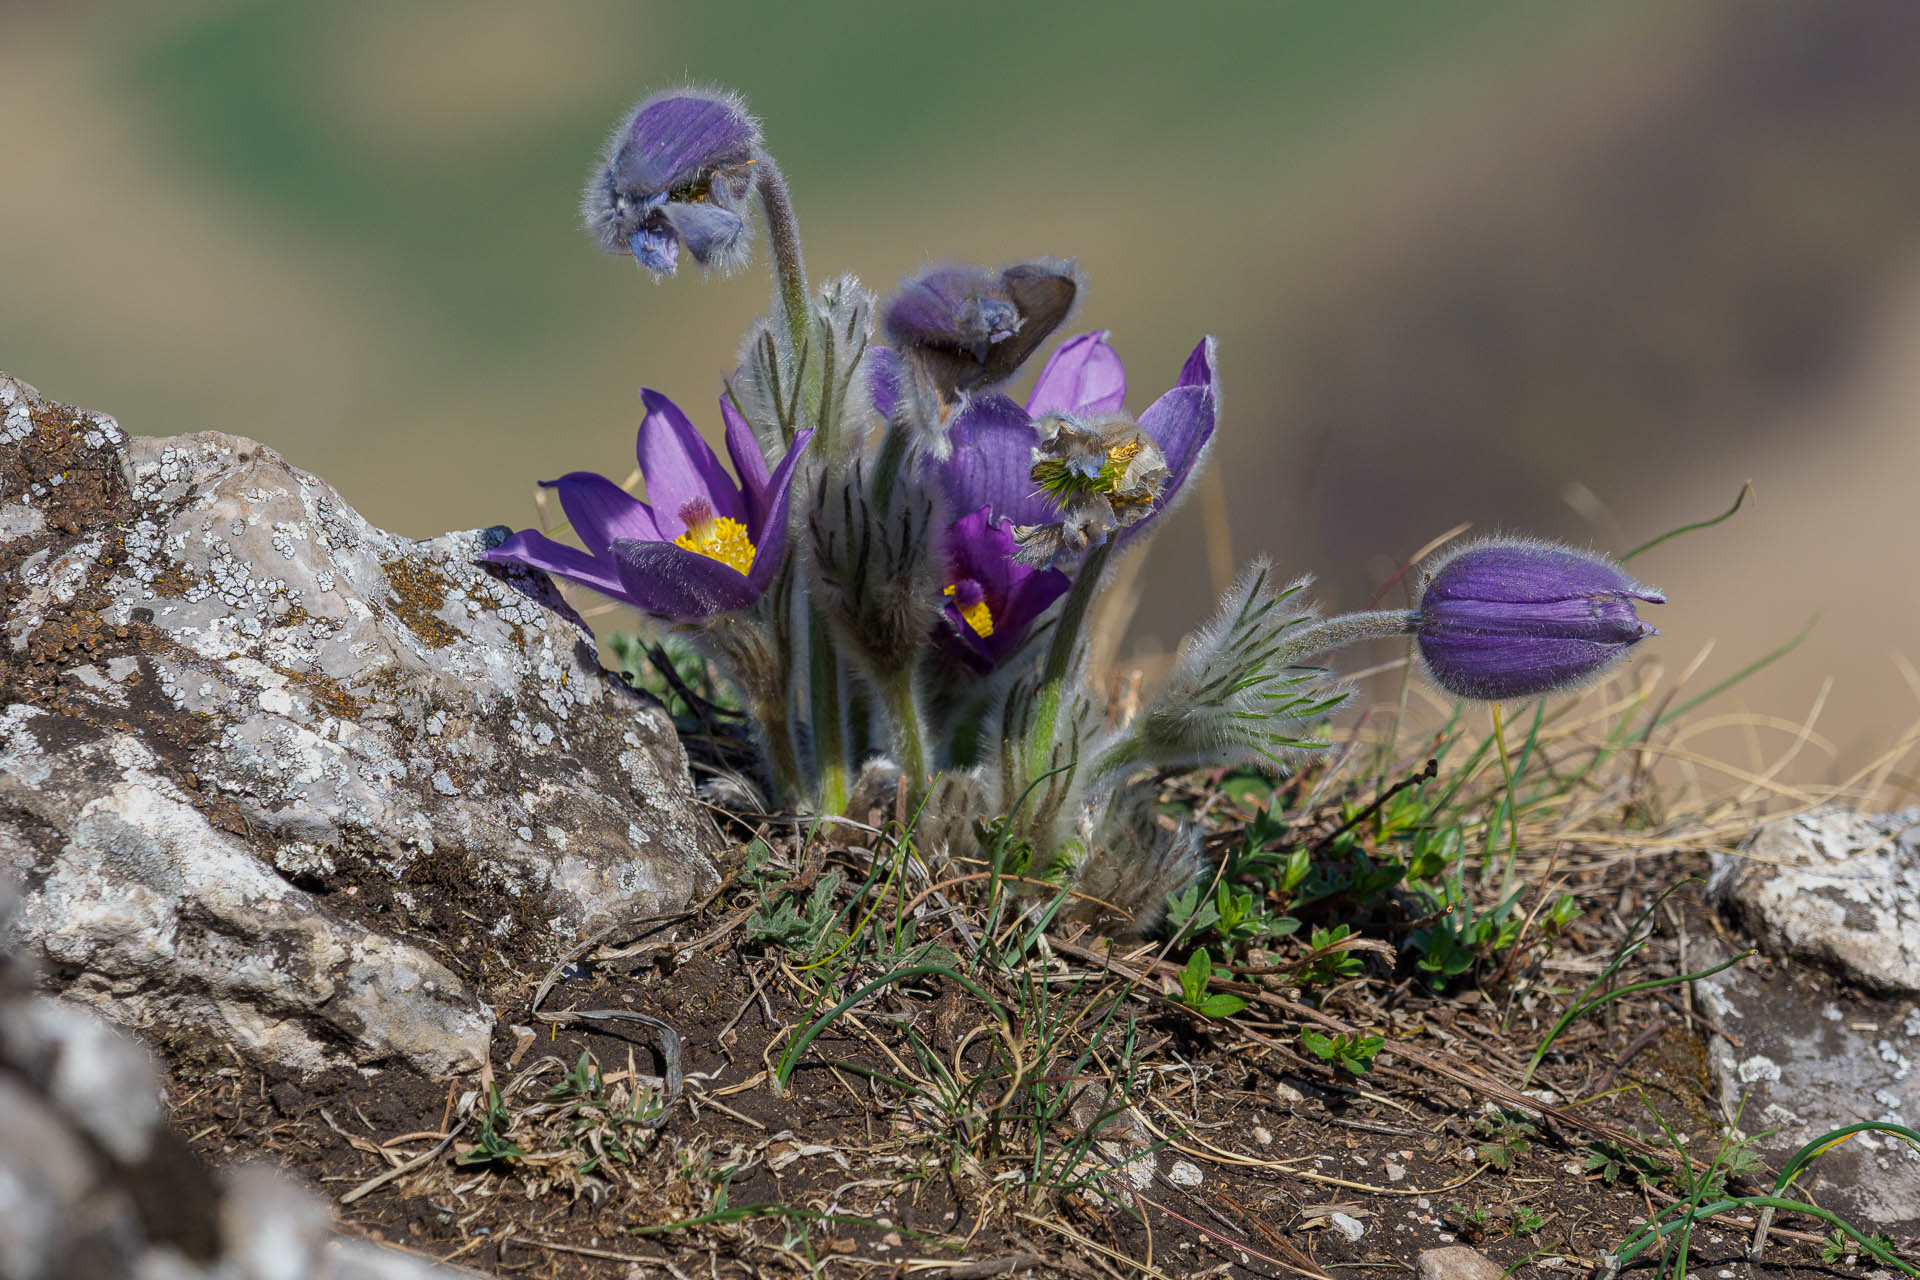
720,538
1121,454
977,616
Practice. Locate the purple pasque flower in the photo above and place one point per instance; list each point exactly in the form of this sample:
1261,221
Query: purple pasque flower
968,327
677,171
992,599
1514,618
994,439
702,545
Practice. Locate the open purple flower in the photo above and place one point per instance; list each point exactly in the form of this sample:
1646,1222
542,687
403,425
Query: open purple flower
992,599
678,171
992,461
703,545
1510,618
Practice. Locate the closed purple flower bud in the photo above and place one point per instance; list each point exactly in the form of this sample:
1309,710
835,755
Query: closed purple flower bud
1512,618
678,171
970,327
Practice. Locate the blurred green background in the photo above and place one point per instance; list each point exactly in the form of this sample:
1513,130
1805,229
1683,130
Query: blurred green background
1579,269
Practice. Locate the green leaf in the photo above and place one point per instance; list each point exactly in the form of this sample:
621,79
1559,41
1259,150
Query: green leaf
1222,1004
1194,981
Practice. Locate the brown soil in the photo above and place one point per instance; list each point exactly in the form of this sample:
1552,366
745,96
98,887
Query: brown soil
905,1141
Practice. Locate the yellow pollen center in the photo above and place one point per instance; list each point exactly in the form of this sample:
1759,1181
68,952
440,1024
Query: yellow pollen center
977,616
720,538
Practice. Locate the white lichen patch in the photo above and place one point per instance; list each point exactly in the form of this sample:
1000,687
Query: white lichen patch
20,520
1836,887
21,755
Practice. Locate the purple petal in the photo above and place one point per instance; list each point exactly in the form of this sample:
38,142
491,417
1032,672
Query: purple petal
883,379
674,137
980,549
1198,370
963,643
1600,619
676,583
679,467
992,463
770,535
600,510
1083,376
1498,667
537,551
656,248
1033,591
709,231
1181,421
1525,572
748,462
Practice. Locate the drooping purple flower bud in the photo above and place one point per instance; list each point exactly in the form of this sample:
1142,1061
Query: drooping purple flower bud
969,327
1514,618
678,171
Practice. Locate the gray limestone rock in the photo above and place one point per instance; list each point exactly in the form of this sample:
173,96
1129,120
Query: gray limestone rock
1457,1262
93,1183
1835,887
270,774
1827,1023
1814,1057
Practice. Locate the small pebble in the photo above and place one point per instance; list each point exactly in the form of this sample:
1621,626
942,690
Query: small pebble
1185,1175
1350,1227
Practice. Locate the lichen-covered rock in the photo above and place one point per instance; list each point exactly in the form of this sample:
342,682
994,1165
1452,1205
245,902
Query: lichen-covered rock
1835,887
272,774
1827,1026
93,1183
1813,1056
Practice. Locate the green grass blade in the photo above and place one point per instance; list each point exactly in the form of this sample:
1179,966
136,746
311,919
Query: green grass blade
1697,525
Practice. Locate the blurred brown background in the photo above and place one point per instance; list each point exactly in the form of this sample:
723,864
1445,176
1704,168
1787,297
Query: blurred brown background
1574,269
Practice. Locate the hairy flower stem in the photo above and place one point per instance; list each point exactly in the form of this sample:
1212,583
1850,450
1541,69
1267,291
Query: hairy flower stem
789,270
1060,657
751,655
824,683
833,788
783,762
903,709
1329,634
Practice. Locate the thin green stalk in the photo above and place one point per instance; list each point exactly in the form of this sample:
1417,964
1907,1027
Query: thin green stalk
903,708
1693,1213
1697,525
1060,655
791,1058
1513,810
833,788
1580,1009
